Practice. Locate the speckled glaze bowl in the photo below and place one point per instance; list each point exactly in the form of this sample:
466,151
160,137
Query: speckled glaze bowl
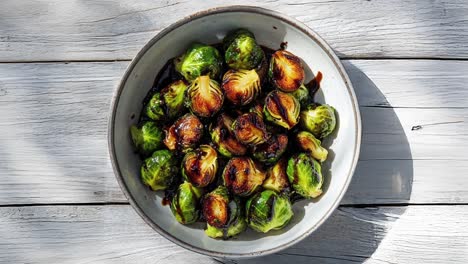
270,29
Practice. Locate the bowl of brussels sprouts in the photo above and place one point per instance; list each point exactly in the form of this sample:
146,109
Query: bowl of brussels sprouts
235,132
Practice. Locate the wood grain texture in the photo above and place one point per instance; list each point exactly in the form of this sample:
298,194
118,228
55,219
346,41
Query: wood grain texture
54,147
116,234
108,30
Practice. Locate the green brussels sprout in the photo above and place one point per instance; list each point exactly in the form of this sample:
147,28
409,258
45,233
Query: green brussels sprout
241,51
302,95
305,175
268,210
204,96
184,205
319,120
276,178
250,129
286,71
198,60
173,96
155,108
241,86
270,151
147,138
282,109
309,143
159,170
184,133
200,166
235,225
224,139
242,176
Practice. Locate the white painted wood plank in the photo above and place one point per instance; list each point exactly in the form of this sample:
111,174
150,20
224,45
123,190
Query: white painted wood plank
102,29
116,234
54,149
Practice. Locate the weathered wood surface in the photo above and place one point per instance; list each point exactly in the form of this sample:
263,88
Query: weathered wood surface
116,234
54,127
54,30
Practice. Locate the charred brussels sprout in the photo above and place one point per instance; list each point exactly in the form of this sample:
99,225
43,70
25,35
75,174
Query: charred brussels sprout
308,142
250,129
215,207
200,166
235,225
242,176
147,138
305,175
276,178
204,96
159,170
241,51
184,205
302,95
282,109
224,139
319,120
268,211
173,96
184,133
286,71
241,86
270,151
155,108
198,60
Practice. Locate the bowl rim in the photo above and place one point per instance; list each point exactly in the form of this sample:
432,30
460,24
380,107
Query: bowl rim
232,9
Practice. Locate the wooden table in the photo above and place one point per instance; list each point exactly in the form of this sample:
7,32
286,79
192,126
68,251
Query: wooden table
61,60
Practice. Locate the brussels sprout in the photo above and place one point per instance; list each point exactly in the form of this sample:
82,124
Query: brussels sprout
224,139
215,207
199,59
159,170
184,205
250,129
282,109
173,96
147,138
257,109
241,86
270,151
308,142
286,71
305,175
302,95
184,133
268,210
276,178
155,107
204,96
319,120
241,50
242,176
200,166
235,225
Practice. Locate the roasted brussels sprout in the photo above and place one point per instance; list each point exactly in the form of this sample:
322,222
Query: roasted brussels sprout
257,109
242,176
184,133
204,96
286,71
241,51
198,60
276,178
268,210
159,170
270,151
173,96
184,205
236,223
215,207
199,166
155,108
305,175
224,139
319,120
282,109
250,129
302,95
241,86
147,138
309,143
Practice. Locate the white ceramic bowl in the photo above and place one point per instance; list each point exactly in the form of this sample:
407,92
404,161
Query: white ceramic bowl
270,29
